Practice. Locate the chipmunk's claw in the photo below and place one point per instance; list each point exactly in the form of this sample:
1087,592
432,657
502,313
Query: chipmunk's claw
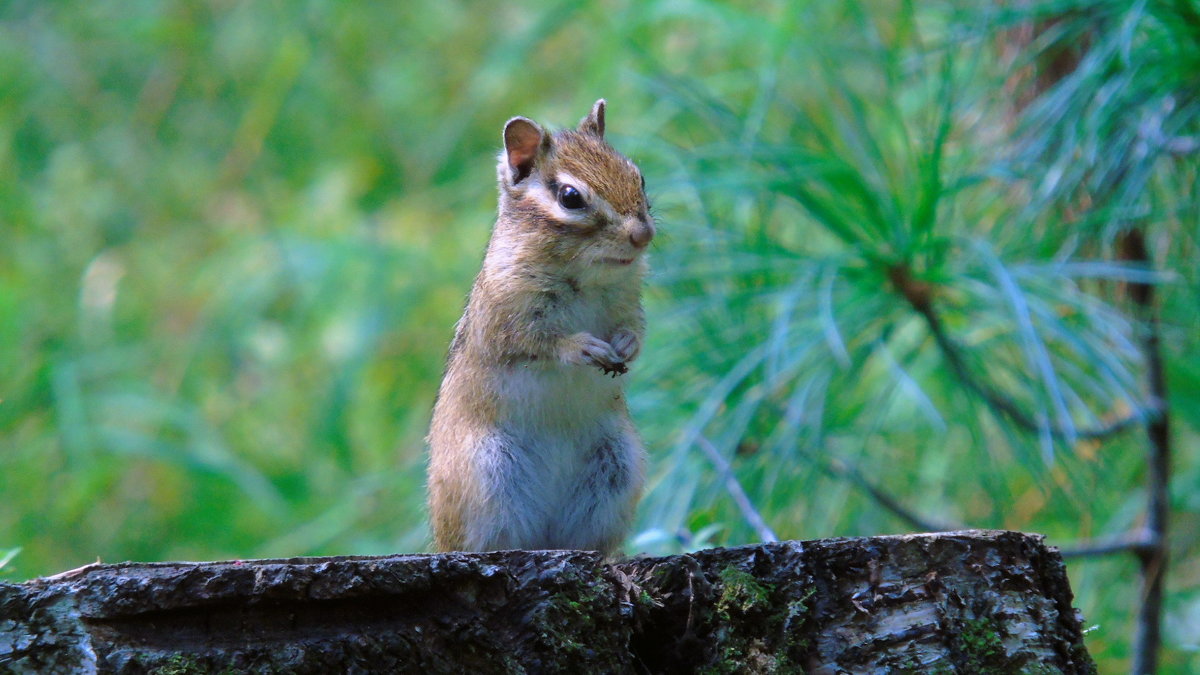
615,369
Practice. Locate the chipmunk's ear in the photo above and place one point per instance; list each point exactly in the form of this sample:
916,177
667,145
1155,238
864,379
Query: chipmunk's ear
594,123
523,140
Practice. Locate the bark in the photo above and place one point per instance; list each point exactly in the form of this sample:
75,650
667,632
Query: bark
971,602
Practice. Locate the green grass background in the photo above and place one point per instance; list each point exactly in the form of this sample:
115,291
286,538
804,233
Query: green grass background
234,239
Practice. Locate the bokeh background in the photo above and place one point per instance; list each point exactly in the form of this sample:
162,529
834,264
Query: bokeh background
235,237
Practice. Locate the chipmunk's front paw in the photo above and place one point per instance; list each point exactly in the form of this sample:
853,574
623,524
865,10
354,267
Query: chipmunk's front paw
585,349
626,344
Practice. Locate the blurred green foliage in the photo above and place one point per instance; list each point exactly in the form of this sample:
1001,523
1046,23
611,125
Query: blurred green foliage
236,236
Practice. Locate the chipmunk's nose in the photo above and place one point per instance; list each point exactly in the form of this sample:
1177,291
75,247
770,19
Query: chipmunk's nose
640,233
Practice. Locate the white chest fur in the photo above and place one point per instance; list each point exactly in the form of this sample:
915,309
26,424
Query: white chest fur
568,462
553,398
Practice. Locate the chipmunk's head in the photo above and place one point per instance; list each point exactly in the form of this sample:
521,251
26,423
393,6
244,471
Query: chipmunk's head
572,198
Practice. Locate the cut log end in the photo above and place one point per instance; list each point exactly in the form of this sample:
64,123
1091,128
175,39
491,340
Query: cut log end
977,601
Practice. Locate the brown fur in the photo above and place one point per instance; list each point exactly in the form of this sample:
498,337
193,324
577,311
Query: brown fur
612,176
545,305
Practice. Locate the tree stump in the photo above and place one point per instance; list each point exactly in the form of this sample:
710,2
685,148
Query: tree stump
970,602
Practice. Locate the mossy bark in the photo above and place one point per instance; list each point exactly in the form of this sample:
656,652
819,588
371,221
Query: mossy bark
950,602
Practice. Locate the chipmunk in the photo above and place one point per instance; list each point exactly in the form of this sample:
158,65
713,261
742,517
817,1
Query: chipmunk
531,444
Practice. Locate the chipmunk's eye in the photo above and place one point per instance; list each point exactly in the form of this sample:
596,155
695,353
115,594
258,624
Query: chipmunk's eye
643,182
569,198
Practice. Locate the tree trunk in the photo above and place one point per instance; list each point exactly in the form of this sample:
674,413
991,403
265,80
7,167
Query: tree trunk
978,601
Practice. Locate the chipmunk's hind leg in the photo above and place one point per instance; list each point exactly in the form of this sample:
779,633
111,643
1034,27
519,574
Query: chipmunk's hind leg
605,494
510,511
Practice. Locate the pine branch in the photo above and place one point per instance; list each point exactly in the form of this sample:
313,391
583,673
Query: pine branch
920,296
1150,544
1137,542
1153,559
765,534
1182,145
843,469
